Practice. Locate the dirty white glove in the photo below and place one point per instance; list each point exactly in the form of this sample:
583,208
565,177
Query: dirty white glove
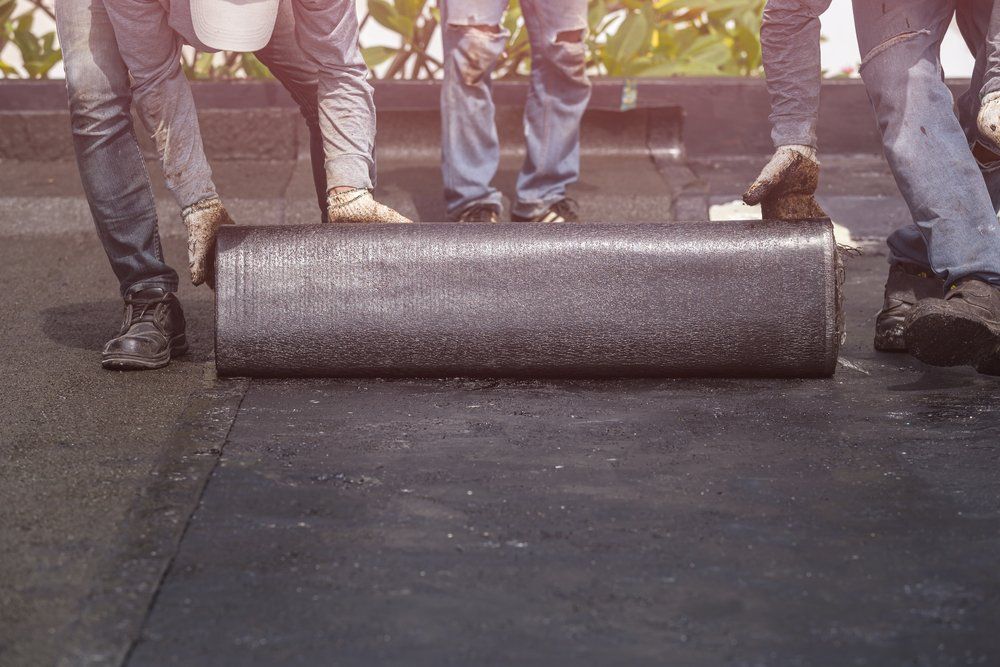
989,119
202,221
786,185
781,162
359,206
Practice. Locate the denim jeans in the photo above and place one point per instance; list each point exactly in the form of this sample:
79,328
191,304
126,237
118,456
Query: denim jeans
955,231
111,166
981,29
315,51
474,38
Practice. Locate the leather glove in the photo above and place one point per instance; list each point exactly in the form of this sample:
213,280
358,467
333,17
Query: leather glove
785,187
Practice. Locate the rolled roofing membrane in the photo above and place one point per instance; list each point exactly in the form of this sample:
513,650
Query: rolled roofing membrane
734,298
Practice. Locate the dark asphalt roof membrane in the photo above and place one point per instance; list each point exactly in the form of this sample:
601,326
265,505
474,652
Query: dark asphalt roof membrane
826,522
623,522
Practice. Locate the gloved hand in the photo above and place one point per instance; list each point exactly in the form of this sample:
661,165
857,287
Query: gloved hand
202,221
989,119
358,205
786,185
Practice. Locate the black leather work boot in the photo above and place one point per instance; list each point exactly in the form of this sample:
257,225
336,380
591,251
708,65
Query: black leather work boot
961,329
905,287
152,332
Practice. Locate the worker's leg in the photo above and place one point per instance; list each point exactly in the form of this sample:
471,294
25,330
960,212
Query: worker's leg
955,231
111,166
474,38
560,91
288,63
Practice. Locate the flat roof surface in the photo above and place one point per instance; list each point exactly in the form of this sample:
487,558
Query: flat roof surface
844,521
854,520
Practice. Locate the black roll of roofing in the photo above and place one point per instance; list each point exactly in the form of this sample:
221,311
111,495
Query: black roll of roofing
528,300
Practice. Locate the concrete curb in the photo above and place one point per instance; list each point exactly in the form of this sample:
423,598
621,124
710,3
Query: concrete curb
724,116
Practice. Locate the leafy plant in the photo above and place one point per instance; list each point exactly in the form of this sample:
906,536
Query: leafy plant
227,65
676,37
628,38
39,53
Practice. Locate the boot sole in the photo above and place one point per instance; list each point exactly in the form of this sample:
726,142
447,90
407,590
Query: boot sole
123,362
944,339
889,341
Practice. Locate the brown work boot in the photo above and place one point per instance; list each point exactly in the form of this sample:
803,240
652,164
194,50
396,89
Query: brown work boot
564,210
961,329
906,286
152,332
481,212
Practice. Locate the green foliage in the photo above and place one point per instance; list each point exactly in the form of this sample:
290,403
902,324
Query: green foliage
631,38
415,21
228,65
628,38
39,53
676,37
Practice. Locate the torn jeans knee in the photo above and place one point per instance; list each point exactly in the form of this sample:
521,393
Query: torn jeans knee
568,52
895,40
477,50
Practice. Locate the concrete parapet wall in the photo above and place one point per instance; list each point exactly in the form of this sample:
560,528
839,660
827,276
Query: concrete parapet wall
258,120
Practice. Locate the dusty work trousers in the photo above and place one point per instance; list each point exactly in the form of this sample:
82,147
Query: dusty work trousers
951,197
318,37
474,38
111,165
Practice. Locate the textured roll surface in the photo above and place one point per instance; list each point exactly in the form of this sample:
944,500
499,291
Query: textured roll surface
585,300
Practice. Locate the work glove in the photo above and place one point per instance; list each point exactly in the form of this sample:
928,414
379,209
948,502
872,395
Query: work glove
785,187
202,221
358,205
989,119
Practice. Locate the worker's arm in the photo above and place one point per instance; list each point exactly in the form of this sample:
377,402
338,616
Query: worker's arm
789,36
152,51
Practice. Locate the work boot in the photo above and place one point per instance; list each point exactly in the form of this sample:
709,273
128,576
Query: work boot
961,329
906,286
564,210
481,212
359,205
202,221
152,332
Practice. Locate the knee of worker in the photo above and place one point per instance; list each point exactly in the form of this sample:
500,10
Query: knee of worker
96,113
98,100
476,50
567,52
901,68
905,85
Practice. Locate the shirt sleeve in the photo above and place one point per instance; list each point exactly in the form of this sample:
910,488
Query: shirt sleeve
152,51
789,36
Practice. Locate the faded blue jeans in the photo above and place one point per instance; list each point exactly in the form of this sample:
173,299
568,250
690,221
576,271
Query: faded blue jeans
474,38
953,201
111,165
